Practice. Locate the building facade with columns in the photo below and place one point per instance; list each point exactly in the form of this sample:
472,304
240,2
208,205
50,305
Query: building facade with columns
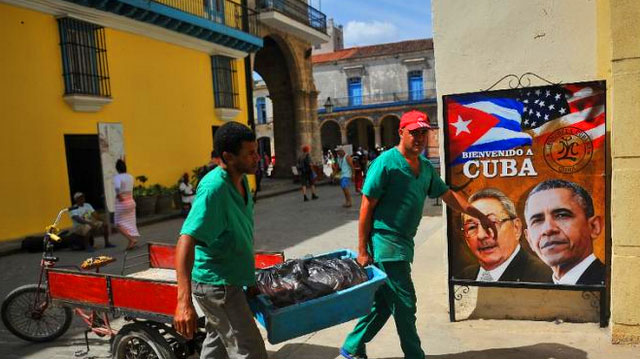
363,92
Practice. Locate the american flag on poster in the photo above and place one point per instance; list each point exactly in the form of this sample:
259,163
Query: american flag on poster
547,110
481,122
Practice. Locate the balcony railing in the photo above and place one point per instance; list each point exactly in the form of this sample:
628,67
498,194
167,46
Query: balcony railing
297,10
376,99
225,12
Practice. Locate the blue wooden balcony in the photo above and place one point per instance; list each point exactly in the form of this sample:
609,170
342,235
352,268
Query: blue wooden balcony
223,22
374,101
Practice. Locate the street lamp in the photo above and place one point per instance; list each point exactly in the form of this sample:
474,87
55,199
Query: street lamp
328,105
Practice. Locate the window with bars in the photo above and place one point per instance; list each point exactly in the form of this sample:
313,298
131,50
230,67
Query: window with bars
84,58
225,88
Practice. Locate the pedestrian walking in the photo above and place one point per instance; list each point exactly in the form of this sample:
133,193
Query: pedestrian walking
307,176
345,164
186,194
359,163
125,208
214,255
397,184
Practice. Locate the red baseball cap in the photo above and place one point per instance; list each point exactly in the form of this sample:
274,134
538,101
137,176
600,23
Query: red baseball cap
413,120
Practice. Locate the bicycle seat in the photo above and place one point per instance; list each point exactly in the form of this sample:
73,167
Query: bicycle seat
96,262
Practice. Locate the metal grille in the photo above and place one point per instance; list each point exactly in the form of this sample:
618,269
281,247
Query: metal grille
225,87
84,58
381,98
226,12
297,10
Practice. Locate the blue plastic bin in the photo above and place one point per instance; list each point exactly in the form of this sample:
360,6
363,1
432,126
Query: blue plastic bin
316,314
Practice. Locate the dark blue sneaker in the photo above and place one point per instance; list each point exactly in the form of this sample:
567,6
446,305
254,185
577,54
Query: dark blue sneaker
347,355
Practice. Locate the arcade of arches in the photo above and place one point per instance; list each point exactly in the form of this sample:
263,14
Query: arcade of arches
368,133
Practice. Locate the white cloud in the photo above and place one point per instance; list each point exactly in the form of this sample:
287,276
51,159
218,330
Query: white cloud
360,33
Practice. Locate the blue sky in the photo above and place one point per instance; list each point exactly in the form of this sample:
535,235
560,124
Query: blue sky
368,22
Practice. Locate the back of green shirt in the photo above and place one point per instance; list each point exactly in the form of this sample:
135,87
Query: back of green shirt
401,197
222,224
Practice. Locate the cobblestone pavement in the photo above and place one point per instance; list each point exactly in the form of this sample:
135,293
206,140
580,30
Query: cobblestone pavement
284,223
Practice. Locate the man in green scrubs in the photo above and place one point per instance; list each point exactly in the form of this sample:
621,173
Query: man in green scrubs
395,189
214,255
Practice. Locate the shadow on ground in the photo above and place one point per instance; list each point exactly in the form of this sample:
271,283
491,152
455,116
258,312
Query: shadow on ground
537,351
306,351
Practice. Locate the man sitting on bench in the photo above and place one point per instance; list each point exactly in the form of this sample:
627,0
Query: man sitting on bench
86,222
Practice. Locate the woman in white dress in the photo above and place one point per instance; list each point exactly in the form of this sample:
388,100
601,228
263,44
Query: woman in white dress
125,214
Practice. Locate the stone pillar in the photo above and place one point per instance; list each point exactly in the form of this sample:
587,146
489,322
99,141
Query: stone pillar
377,131
343,134
316,138
625,147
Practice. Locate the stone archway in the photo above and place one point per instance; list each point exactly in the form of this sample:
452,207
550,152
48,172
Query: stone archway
330,135
286,70
271,64
389,136
360,133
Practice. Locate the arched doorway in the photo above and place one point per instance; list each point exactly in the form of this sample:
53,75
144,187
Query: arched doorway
330,135
389,136
360,133
273,64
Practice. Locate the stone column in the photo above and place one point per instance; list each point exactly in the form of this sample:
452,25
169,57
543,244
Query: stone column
343,134
377,130
316,138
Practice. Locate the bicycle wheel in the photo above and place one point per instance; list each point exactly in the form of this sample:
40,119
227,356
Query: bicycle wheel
23,316
138,341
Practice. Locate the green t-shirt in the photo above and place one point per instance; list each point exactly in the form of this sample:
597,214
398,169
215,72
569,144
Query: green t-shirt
222,224
401,197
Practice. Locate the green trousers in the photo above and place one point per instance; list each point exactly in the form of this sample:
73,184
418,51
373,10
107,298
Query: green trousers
397,297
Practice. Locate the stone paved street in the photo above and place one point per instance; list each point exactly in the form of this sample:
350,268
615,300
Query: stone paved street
282,223
286,223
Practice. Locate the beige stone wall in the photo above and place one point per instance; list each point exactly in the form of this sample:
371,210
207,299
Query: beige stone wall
625,140
478,42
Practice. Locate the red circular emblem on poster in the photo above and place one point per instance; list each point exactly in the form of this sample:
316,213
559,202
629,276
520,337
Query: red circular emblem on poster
568,150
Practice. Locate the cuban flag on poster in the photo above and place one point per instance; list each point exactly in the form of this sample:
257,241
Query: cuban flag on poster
482,123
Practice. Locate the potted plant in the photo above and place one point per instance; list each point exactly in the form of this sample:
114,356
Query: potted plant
145,197
165,198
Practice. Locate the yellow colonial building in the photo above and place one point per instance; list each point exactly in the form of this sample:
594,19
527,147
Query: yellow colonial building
162,73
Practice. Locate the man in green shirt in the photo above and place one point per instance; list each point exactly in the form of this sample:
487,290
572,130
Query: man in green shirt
395,189
214,255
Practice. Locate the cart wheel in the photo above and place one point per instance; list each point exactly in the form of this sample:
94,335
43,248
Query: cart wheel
23,316
138,341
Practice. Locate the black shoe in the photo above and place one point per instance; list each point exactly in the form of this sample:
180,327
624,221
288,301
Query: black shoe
305,198
313,196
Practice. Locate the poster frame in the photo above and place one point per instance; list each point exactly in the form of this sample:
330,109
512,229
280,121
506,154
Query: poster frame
587,290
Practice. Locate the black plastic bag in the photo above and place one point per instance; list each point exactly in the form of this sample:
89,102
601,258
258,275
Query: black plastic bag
299,280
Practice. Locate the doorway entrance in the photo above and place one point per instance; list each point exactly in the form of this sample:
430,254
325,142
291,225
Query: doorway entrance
84,168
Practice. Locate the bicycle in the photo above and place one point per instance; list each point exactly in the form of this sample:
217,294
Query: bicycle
28,313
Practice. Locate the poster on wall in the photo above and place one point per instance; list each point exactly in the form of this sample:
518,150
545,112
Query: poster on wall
533,160
111,150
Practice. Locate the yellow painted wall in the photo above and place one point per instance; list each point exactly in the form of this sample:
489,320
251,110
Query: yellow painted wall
162,95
